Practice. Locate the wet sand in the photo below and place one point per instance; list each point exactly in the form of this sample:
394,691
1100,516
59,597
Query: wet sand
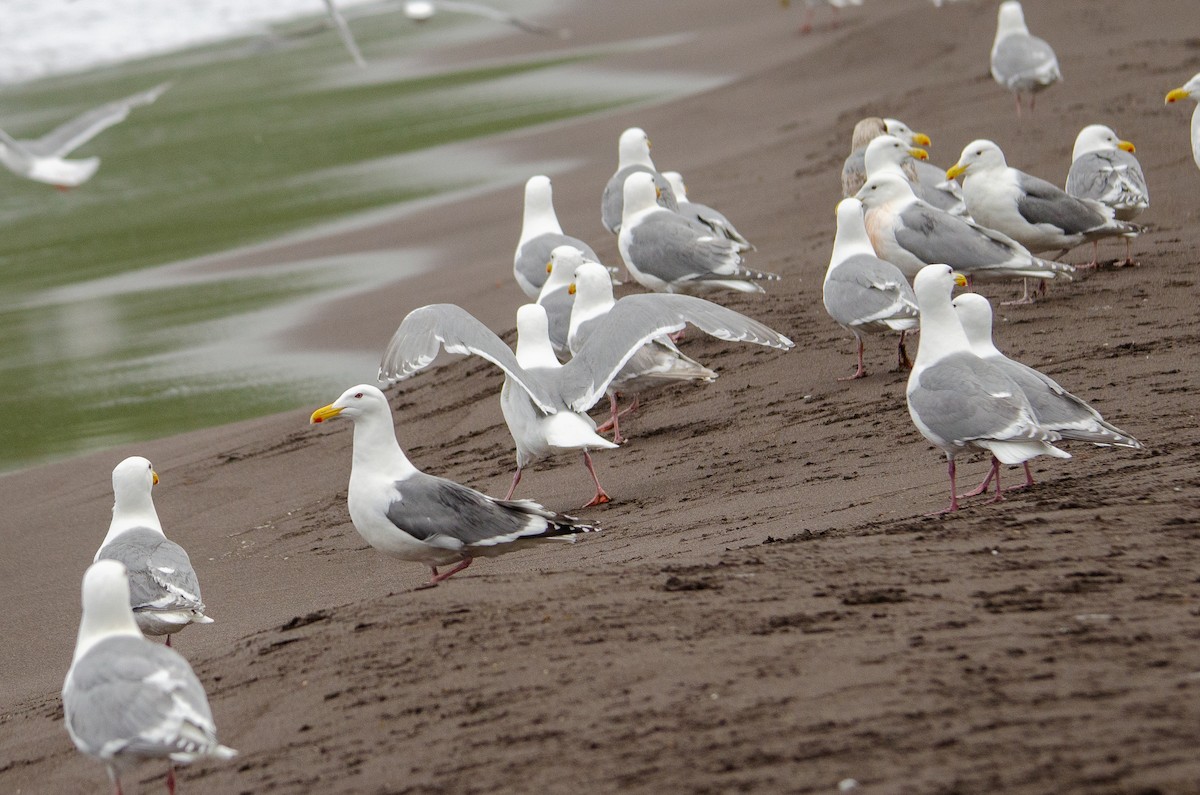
768,609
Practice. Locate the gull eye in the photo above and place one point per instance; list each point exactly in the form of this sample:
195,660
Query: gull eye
358,394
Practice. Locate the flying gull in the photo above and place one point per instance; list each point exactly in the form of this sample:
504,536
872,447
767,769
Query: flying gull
633,157
1022,63
1104,169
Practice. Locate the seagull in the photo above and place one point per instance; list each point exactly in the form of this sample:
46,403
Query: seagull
422,10
1104,169
932,178
910,234
854,168
862,293
165,593
44,159
556,296
633,156
706,215
339,22
543,401
666,252
1190,90
540,235
810,10
655,363
887,154
1035,213
961,402
126,699
402,511
1053,407
1022,63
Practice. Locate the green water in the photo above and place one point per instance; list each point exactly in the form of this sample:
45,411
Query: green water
102,342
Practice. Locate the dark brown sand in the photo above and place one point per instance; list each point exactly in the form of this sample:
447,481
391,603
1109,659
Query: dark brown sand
768,609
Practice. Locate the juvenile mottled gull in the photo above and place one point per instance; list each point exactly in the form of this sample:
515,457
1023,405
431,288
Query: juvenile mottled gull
126,699
1032,211
959,401
43,159
633,157
1022,63
655,363
911,234
343,30
543,401
404,512
540,235
666,252
854,168
706,215
1053,407
164,590
1104,169
1190,90
863,293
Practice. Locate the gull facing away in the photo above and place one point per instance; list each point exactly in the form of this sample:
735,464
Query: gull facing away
668,253
164,590
339,23
540,234
961,402
126,699
1104,169
713,219
910,234
401,511
543,401
422,10
655,363
1022,63
633,156
1053,407
862,293
1032,211
1190,90
44,159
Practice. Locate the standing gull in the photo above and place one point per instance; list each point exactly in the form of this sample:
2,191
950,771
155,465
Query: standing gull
404,512
543,401
1053,407
961,402
854,168
810,10
126,699
164,590
422,10
706,215
1104,169
666,252
945,194
556,296
1022,63
1032,211
1190,90
633,157
887,154
863,293
655,363
44,159
540,234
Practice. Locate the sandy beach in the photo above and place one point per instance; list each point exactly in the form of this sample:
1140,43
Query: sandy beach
768,609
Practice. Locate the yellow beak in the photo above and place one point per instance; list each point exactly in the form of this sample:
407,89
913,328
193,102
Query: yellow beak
657,192
960,280
154,477
571,289
955,170
1177,94
324,413
919,154
549,266
921,139
1127,146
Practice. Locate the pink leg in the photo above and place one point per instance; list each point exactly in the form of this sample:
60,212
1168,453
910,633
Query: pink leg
168,640
512,488
436,578
806,26
614,420
1018,96
903,362
996,471
953,494
171,774
1028,479
115,779
982,487
861,371
1025,298
601,496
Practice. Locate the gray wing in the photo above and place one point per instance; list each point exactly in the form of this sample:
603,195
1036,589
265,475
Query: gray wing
1024,63
677,250
933,236
1041,202
854,173
68,137
1113,178
532,257
866,289
558,306
339,22
425,331
161,576
634,321
714,220
612,201
130,695
963,398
